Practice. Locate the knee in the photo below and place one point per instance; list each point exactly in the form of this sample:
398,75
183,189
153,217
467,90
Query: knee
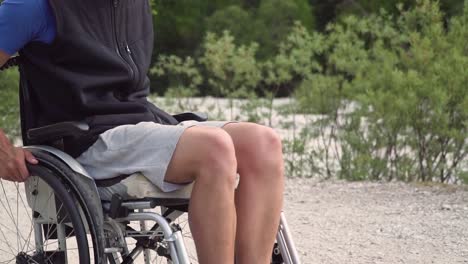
266,145
217,158
264,154
272,148
270,141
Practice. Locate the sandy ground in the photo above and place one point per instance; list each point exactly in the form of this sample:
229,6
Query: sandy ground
342,222
339,222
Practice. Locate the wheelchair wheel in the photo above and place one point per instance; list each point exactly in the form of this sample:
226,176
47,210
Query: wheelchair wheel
42,222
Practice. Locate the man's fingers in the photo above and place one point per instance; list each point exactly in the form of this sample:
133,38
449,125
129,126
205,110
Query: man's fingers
8,171
29,157
23,171
12,161
7,177
20,174
21,164
12,172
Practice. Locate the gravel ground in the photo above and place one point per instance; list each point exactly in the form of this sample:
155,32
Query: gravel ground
362,222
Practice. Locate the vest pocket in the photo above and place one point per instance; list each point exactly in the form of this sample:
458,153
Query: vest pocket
141,57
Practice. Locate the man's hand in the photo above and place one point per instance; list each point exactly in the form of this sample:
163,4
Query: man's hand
13,160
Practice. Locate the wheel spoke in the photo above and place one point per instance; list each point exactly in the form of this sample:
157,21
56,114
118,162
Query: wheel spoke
7,210
12,231
28,242
1,230
8,261
23,203
56,225
17,218
59,216
10,253
8,244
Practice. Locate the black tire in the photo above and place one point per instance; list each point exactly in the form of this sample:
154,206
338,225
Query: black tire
68,212
87,196
66,196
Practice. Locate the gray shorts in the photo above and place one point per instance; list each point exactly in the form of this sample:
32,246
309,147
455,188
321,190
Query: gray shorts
146,147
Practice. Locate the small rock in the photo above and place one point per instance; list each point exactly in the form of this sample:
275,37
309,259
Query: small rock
446,207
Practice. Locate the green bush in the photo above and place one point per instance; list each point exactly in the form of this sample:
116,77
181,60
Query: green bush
236,20
383,97
408,81
232,71
9,107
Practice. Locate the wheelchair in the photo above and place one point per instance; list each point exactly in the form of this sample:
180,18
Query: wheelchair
62,215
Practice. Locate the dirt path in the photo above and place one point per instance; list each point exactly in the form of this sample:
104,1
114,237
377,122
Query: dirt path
339,222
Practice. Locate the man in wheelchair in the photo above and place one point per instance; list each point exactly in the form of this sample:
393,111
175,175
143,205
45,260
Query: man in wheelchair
87,61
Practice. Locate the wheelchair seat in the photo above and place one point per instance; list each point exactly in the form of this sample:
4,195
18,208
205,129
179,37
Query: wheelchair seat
137,186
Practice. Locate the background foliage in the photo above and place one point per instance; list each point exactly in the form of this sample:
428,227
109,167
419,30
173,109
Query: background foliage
382,91
9,111
371,90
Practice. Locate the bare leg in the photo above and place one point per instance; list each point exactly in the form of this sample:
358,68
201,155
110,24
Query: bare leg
207,155
259,196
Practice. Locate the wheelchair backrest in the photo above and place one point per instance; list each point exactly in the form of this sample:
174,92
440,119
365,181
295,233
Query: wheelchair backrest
29,110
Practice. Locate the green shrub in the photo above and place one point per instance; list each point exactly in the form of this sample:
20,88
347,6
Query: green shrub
383,97
408,80
9,107
236,20
232,70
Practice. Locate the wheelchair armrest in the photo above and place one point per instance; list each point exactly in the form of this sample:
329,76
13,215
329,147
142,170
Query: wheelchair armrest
58,131
197,116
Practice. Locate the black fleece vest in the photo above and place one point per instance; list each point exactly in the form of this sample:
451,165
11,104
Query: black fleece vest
95,70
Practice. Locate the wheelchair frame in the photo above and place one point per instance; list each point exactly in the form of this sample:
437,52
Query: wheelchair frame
173,238
101,216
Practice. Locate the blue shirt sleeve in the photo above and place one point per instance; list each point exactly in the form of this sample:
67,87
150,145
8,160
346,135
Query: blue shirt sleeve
24,21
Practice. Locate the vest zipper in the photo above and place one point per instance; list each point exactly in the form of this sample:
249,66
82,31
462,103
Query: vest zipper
116,39
130,56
